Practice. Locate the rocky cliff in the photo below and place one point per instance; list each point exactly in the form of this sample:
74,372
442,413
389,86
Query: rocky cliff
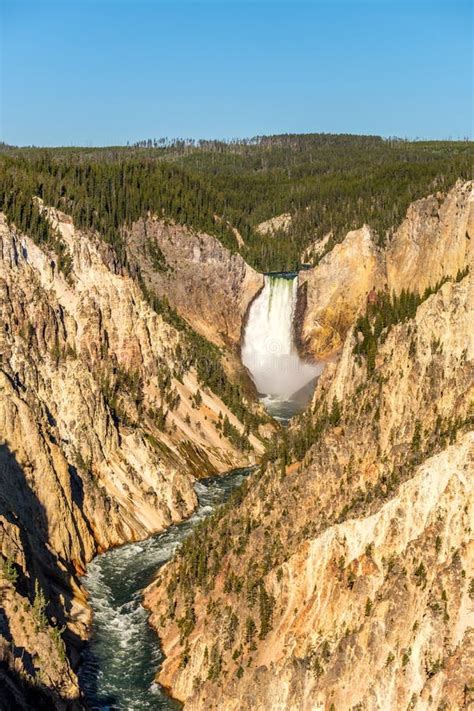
206,284
274,224
104,424
345,579
434,241
331,294
316,249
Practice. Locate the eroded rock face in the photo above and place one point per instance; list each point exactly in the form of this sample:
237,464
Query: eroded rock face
208,286
433,242
315,250
274,224
103,431
347,578
331,294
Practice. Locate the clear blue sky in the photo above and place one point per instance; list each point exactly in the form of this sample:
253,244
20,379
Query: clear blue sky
95,72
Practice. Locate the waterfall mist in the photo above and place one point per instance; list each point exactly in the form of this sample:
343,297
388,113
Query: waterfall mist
284,381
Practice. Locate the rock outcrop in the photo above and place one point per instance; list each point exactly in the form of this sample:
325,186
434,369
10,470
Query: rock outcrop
317,249
104,425
433,242
345,580
206,284
274,224
331,294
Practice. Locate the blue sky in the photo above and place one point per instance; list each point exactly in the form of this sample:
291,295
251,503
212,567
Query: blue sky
95,72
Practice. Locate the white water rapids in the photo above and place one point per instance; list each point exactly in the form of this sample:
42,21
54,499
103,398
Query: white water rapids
284,381
120,662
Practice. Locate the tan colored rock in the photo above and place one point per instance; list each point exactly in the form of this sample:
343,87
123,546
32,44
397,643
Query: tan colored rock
88,459
316,249
365,547
434,241
210,287
331,294
280,222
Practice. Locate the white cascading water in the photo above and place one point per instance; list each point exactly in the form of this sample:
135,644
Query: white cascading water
269,352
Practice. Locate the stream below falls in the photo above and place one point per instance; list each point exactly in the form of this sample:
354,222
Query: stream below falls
123,655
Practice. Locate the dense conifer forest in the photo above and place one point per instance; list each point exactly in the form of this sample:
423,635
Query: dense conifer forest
328,183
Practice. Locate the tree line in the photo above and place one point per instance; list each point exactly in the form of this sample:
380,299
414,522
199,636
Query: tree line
327,182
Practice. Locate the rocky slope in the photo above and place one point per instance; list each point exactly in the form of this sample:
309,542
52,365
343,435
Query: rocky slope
208,286
330,295
104,425
316,250
274,224
344,580
434,241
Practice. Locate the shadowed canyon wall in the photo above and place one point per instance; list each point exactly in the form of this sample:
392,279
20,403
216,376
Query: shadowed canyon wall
104,426
210,287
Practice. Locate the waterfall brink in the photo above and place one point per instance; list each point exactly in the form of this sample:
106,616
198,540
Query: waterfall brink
284,381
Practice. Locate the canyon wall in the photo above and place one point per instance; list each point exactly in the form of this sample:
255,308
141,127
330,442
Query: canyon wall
344,580
331,294
206,284
104,425
355,557
434,241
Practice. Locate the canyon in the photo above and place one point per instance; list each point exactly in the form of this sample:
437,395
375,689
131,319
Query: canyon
357,555
105,426
349,549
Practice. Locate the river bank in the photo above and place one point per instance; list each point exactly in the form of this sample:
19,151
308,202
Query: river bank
123,655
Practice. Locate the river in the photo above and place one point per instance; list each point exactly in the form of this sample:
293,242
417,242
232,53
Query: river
123,655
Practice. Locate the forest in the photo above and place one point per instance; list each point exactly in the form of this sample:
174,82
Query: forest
327,183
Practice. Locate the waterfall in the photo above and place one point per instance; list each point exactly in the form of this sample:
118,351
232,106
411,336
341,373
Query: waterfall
281,377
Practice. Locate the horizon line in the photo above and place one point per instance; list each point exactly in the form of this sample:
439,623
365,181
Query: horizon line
167,141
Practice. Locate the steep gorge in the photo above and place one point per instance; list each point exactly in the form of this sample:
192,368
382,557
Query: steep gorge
357,521
105,424
357,555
